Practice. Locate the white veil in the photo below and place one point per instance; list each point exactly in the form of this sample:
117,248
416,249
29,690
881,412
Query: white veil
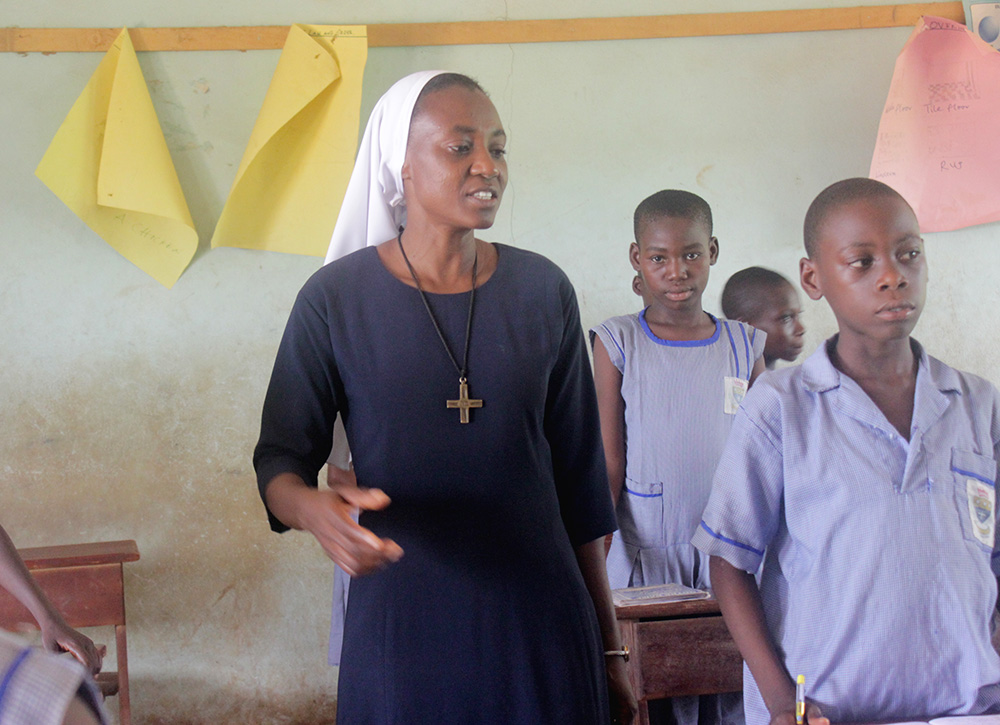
373,207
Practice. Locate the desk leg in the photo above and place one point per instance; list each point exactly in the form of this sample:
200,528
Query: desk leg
124,706
643,712
634,667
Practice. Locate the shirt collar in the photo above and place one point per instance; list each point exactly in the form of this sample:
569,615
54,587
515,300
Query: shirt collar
819,375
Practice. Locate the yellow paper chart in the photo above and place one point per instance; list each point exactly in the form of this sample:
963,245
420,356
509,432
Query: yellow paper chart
109,163
295,170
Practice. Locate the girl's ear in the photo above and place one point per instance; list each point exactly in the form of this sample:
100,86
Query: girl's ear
633,256
809,278
637,284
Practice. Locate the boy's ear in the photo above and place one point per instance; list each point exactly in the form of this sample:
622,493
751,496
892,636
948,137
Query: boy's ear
404,172
633,255
713,250
809,278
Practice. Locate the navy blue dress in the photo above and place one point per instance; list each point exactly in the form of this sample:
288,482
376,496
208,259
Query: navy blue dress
486,618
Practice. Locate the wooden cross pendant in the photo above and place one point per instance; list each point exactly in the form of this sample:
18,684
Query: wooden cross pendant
464,402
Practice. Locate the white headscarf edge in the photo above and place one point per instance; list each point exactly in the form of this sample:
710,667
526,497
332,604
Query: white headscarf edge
373,207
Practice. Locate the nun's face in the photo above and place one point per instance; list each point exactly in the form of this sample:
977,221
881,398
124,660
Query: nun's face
455,171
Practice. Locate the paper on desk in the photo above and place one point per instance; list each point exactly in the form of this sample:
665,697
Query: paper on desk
939,138
109,163
296,166
656,594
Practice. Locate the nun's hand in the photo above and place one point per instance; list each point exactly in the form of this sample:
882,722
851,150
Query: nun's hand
354,548
624,706
328,514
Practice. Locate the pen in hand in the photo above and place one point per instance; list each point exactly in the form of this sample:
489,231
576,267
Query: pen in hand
800,700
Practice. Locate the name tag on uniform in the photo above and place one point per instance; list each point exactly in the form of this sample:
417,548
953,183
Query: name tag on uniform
736,390
982,502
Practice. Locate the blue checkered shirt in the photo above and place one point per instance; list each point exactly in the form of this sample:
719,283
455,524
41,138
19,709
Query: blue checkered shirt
874,583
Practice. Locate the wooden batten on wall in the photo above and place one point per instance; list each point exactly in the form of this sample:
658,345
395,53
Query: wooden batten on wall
271,37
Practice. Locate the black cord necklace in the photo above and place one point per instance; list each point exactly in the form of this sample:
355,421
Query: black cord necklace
464,402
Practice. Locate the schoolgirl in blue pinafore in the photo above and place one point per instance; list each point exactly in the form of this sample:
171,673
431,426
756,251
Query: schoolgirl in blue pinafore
679,397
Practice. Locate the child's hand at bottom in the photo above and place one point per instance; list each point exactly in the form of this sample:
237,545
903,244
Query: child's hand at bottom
813,716
57,636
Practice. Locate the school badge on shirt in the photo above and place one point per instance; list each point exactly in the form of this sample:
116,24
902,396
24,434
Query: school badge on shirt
982,500
736,390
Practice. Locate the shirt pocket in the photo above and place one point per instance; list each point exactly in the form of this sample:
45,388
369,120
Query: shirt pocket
641,514
974,476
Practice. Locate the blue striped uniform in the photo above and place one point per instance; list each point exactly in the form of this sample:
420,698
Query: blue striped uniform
675,428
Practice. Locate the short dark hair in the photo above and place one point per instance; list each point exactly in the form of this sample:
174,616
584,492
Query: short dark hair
672,203
439,83
743,296
837,195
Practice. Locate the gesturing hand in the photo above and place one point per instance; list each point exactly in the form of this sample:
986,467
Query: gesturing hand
327,515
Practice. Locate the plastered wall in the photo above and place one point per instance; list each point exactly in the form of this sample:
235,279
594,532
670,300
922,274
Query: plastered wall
130,411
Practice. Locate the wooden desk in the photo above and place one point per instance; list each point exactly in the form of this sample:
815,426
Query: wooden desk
84,582
676,649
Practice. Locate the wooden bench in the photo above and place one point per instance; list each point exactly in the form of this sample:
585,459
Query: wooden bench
84,582
678,648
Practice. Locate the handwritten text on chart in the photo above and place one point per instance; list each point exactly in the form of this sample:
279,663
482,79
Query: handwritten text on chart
938,108
143,231
939,132
338,33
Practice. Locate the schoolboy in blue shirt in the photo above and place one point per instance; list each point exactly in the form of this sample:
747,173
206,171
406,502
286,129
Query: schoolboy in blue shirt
864,480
